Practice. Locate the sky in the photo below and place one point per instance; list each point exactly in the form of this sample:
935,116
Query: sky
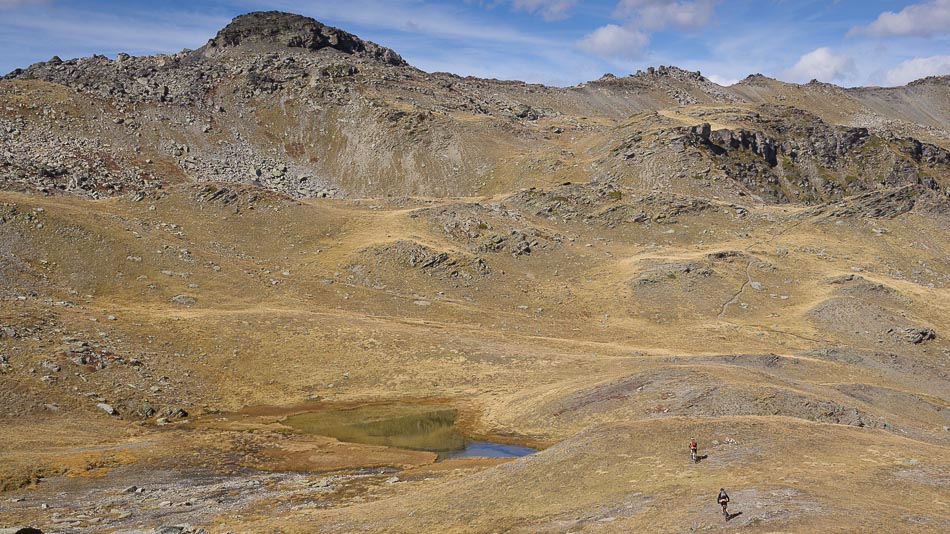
555,42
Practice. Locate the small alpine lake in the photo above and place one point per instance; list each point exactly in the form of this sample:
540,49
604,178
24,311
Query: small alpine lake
402,425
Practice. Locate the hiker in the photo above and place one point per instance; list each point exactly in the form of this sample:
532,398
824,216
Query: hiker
724,502
692,449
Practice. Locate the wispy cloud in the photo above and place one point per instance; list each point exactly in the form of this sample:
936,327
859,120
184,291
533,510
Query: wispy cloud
421,18
548,9
12,4
662,14
442,36
36,33
105,31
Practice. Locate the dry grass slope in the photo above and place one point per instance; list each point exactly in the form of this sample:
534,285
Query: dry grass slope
195,246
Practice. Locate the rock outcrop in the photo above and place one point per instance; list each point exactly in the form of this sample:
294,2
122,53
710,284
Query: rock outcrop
296,31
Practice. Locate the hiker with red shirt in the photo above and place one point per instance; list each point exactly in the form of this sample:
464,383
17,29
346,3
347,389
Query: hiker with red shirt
692,449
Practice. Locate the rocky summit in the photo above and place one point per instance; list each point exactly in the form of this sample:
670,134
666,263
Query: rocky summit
198,249
274,28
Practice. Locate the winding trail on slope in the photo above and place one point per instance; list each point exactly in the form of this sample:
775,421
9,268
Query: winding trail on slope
748,270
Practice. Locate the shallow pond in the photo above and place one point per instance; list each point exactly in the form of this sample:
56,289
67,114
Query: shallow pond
406,426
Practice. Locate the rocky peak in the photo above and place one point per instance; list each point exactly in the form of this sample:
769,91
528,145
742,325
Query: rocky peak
671,72
756,79
297,31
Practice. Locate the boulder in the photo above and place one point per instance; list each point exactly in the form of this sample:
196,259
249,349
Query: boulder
184,300
917,335
107,408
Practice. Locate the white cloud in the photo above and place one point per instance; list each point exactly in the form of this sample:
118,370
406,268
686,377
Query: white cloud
660,14
614,41
822,64
640,19
721,80
548,9
924,19
917,68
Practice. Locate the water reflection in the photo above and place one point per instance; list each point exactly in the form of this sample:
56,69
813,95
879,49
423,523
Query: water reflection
488,449
405,426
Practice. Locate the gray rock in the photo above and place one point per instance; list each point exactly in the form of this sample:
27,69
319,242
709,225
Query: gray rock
843,279
524,111
702,130
917,335
107,408
145,410
175,413
172,529
323,483
724,254
183,300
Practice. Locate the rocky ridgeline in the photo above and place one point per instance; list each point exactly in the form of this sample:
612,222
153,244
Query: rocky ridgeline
180,78
789,155
194,114
293,106
682,86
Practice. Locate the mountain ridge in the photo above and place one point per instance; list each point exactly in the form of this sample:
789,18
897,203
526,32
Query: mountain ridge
286,29
196,246
439,134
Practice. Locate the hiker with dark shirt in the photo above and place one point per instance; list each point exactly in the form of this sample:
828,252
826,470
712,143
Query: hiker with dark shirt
723,500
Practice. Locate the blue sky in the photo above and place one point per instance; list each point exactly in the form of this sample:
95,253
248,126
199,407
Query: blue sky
557,42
